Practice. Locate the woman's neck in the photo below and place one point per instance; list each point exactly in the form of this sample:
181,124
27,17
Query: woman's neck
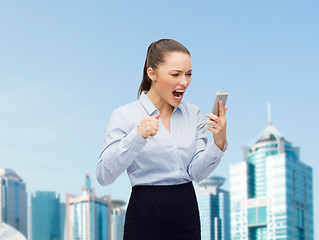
164,107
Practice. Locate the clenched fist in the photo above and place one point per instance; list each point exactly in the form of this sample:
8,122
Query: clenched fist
149,126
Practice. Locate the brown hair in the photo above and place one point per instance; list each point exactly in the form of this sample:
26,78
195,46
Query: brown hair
155,56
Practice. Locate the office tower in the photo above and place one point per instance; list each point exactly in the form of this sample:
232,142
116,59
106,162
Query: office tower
214,209
9,233
271,191
62,221
13,201
45,216
87,216
117,220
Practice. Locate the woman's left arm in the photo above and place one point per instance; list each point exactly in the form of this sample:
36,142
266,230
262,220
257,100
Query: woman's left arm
207,158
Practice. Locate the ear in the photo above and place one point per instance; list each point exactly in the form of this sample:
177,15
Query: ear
151,74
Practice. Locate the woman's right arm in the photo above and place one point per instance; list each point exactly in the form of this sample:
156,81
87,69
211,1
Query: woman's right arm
120,147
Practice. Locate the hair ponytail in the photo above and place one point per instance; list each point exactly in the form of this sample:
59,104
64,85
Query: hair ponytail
155,56
146,82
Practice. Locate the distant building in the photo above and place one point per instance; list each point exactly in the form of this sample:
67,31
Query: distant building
13,201
62,220
117,220
271,191
87,216
214,208
46,216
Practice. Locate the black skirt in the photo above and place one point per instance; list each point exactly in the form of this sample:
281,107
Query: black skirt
162,212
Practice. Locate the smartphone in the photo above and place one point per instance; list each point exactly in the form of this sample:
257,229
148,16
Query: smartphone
221,95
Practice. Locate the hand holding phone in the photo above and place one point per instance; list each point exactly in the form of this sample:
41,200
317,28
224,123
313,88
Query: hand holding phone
221,95
217,124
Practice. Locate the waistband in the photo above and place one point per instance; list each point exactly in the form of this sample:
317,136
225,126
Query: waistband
161,188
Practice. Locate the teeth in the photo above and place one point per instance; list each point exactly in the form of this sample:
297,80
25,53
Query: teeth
180,91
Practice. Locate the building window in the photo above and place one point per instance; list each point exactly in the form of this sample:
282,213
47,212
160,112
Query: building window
300,218
252,216
257,216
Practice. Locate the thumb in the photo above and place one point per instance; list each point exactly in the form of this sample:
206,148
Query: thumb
157,115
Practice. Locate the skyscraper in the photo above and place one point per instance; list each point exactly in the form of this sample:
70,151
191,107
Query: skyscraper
117,220
271,191
214,208
45,215
13,201
62,221
87,216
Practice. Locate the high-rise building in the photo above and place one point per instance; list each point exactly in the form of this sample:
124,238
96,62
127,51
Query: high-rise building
45,216
117,220
214,209
87,216
62,221
13,201
271,191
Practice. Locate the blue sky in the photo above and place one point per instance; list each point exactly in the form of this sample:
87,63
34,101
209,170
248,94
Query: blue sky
65,65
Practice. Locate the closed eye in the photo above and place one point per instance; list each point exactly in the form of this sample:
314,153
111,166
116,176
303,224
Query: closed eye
177,74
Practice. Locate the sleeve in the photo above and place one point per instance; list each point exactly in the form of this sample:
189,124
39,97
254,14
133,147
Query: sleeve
120,148
206,158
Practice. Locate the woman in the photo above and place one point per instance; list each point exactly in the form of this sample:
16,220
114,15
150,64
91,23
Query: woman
162,143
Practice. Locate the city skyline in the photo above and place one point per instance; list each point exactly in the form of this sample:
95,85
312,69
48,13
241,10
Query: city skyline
66,65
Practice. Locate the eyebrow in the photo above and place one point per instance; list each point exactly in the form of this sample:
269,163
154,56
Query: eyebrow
177,70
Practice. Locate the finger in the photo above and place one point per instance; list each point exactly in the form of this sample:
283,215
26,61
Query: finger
226,109
153,133
155,128
221,108
213,130
155,123
212,123
212,116
157,115
215,126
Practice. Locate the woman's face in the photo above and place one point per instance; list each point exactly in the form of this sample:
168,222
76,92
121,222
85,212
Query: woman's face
172,77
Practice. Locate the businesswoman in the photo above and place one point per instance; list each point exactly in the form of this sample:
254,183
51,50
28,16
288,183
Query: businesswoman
162,143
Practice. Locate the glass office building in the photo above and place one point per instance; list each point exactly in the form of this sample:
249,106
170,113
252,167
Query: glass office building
87,216
45,216
214,208
117,220
62,220
13,201
271,191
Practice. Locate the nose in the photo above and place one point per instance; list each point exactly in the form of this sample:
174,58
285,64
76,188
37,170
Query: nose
183,81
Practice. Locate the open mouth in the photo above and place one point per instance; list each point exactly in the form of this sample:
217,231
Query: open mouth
178,94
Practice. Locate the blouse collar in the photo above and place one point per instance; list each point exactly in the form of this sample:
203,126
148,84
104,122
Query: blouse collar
150,107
